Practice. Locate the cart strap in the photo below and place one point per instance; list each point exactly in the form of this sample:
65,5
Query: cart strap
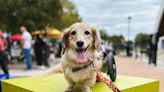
104,79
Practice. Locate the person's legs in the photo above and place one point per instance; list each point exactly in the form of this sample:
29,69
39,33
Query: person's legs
45,58
46,61
4,63
155,58
40,59
38,54
28,58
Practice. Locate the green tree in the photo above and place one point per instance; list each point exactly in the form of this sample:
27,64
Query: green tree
104,35
70,14
117,39
142,40
35,14
114,39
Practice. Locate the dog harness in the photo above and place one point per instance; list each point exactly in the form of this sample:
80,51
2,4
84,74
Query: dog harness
76,69
99,75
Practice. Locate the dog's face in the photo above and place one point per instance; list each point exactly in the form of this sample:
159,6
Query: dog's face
80,40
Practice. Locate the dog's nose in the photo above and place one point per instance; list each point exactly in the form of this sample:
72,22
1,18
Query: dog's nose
80,43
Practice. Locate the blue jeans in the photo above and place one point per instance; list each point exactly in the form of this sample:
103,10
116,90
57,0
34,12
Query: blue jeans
28,58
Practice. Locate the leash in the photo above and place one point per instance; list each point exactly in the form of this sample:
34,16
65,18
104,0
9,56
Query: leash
104,79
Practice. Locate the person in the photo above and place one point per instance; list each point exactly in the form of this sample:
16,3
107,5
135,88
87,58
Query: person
38,51
26,43
58,48
45,51
153,49
3,56
42,51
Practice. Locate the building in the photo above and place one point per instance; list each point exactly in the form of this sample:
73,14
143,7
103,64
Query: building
160,28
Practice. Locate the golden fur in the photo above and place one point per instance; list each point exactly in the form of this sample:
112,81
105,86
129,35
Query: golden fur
86,77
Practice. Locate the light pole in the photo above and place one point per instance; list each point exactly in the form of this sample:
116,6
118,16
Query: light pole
129,27
128,47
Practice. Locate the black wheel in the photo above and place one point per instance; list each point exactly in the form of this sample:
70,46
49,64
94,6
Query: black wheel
111,66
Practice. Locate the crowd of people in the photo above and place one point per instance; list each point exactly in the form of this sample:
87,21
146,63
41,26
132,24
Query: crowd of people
42,51
40,47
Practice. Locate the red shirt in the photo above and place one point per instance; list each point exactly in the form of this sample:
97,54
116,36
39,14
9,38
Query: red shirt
2,44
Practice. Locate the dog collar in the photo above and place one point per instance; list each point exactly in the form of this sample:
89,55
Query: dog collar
76,69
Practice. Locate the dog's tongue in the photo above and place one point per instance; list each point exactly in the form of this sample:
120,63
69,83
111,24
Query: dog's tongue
81,58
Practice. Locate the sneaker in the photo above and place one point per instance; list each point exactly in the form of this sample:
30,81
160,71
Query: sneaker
41,67
27,69
38,67
8,76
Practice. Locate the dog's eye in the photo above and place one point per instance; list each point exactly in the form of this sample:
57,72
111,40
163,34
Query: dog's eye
87,32
73,32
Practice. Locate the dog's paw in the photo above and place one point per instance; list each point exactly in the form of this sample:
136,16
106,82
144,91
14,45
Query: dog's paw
69,89
87,89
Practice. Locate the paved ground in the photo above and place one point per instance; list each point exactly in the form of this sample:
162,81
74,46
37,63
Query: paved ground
125,66
132,67
19,70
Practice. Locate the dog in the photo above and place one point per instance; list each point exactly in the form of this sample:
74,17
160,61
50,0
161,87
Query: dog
80,42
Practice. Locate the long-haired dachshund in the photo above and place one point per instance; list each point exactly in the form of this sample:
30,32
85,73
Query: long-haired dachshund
80,41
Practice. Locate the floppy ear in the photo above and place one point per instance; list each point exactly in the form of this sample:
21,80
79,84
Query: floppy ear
65,40
96,38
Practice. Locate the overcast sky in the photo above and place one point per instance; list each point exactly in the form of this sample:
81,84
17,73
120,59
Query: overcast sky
112,15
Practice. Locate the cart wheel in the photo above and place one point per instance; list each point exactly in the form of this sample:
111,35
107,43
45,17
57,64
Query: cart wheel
111,66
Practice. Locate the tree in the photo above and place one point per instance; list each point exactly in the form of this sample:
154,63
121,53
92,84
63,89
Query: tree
34,14
70,14
113,39
104,35
117,39
142,40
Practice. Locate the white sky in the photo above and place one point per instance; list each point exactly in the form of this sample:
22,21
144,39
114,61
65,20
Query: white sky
112,15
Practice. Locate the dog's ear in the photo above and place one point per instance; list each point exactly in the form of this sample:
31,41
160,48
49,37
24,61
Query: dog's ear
96,38
65,41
